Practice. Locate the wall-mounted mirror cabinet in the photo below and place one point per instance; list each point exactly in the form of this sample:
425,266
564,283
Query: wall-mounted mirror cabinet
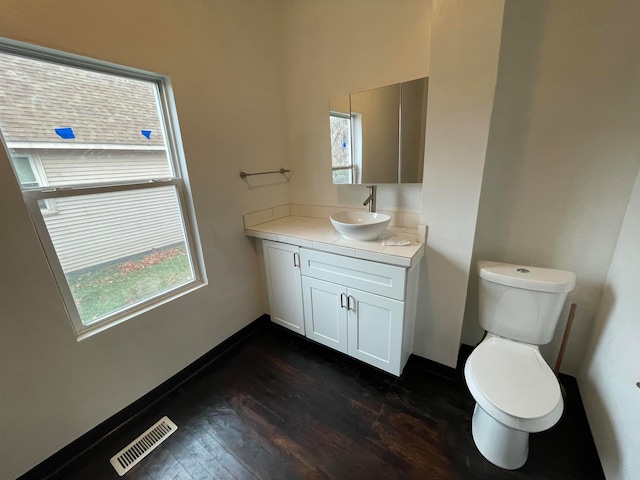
377,136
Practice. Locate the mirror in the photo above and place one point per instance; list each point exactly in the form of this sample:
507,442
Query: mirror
377,136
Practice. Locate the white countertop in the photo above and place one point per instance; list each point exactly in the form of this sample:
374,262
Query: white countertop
319,234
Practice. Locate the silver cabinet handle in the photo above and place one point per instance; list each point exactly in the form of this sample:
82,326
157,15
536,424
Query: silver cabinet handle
296,259
342,295
349,298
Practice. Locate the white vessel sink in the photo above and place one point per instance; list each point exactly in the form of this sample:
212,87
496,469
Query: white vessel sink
356,225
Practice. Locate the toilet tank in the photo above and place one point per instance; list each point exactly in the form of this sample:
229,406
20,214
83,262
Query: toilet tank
520,302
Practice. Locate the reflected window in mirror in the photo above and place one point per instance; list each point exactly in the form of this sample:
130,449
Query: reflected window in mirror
342,164
346,156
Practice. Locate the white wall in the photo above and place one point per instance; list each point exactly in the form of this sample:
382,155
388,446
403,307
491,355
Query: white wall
563,150
611,366
335,48
221,57
464,58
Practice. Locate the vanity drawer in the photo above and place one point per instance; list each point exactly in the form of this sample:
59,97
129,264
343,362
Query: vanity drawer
378,278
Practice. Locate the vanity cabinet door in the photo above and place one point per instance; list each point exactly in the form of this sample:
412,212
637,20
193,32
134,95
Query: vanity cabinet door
325,313
375,328
282,268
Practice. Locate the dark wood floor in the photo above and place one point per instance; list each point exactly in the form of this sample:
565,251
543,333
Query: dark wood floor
281,407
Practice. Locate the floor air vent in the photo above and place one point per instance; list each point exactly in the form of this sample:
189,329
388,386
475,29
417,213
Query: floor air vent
125,459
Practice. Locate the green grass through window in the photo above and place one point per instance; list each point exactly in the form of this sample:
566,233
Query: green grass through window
106,288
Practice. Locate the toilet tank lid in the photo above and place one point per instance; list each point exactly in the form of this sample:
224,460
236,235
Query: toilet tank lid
530,278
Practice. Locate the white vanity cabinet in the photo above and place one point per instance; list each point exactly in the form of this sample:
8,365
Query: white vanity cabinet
282,268
362,308
359,301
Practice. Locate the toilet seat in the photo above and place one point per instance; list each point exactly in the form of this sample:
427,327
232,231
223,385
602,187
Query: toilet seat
512,383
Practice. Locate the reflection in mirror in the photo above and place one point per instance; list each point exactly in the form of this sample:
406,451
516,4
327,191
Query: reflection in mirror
377,136
375,118
344,171
414,123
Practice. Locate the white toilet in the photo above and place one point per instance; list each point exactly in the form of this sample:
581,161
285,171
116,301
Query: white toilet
516,392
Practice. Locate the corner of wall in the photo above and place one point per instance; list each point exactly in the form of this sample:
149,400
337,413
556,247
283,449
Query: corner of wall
464,59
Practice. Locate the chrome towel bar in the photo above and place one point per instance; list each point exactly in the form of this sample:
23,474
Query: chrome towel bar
245,174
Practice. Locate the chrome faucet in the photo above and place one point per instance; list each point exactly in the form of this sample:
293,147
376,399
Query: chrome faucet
371,199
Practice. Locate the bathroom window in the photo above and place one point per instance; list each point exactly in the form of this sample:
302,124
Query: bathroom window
96,152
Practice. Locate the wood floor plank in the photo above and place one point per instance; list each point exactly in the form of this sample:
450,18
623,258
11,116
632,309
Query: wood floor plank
245,444
160,464
194,462
221,455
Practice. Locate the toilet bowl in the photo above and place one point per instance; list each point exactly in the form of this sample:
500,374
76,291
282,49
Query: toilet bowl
516,394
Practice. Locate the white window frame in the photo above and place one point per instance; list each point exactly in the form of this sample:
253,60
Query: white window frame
179,180
356,141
